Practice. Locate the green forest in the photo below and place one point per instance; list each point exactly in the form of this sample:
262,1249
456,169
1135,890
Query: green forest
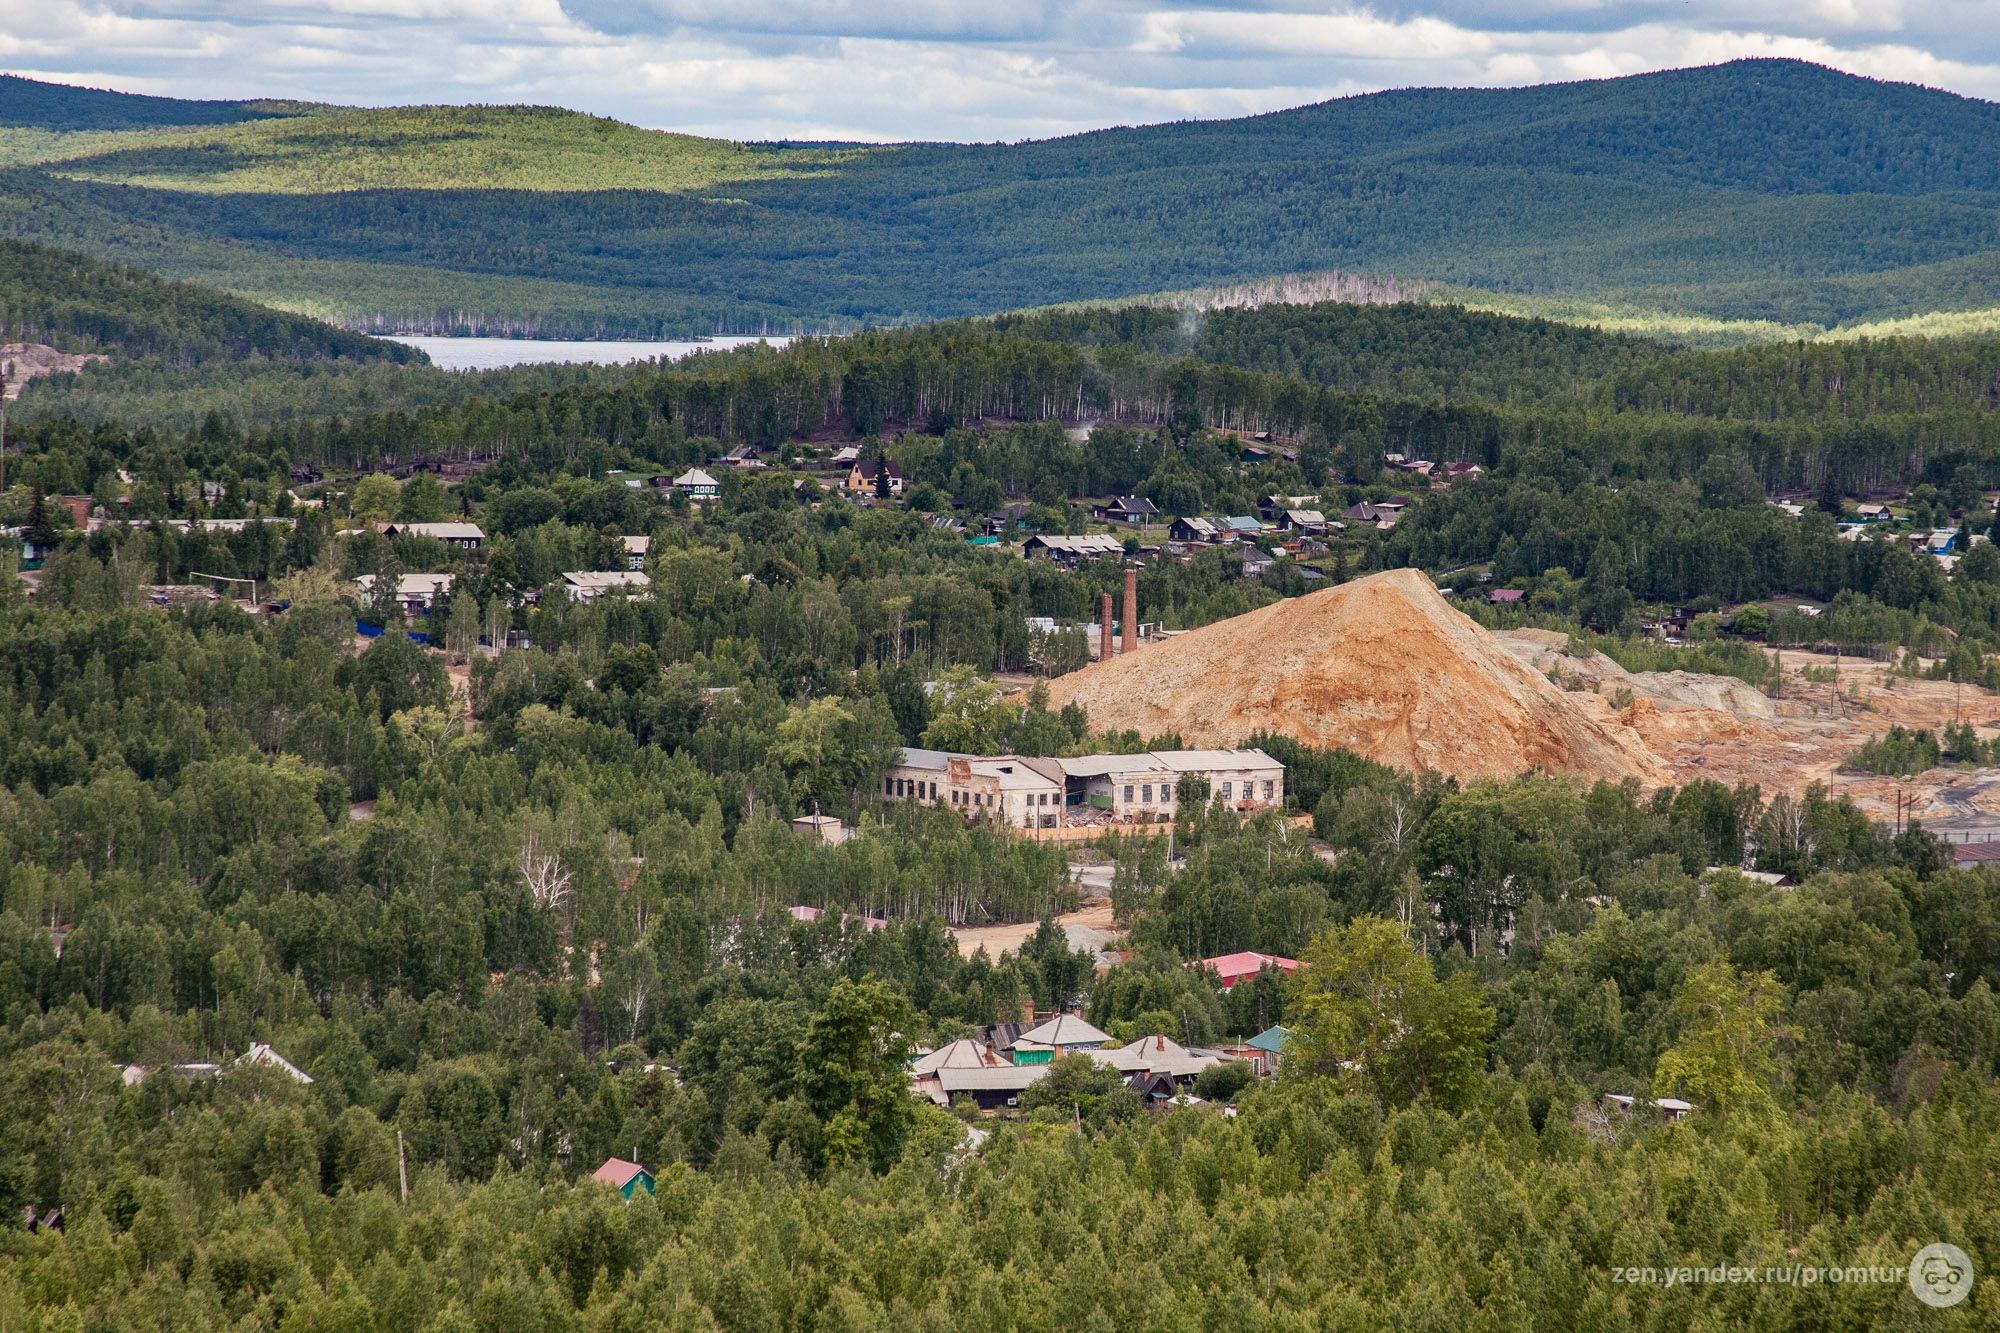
1761,190
516,910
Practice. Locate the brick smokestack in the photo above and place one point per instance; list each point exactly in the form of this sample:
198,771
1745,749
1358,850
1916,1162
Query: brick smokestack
1130,639
1104,632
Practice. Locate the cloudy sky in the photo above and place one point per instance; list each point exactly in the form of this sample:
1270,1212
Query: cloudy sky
951,69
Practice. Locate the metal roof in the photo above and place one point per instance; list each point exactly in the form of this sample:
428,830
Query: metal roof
1105,765
1270,1039
1010,1078
964,1053
938,759
1190,761
1066,1030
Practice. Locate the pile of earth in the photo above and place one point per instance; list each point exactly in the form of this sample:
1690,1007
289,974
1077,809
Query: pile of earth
1386,667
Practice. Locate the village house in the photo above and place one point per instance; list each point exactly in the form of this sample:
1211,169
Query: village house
635,551
1242,527
465,536
1255,561
1127,509
1234,967
1065,1034
697,485
1193,530
1158,1055
416,592
587,585
625,1177
1068,551
1303,520
861,476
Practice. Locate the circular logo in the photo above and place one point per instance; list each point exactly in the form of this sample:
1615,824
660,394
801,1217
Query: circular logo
1941,1275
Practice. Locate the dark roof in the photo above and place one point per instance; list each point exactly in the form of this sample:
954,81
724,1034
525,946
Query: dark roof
1002,1036
868,467
1132,504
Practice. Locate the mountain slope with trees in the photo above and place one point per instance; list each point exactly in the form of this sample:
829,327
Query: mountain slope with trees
1758,190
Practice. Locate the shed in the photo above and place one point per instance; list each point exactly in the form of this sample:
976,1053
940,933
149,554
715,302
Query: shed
826,828
1975,853
623,1176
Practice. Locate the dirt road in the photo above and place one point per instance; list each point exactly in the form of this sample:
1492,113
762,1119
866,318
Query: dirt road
1089,927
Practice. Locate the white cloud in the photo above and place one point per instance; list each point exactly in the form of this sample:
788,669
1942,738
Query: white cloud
952,69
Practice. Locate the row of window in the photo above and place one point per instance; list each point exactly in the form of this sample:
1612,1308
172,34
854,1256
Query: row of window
929,791
1228,792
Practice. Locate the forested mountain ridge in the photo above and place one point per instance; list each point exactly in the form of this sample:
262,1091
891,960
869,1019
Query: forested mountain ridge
77,303
33,104
1757,190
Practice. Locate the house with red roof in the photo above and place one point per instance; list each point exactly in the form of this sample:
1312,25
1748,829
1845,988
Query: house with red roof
623,1176
1235,967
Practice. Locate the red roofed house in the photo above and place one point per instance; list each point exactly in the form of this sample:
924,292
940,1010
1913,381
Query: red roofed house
623,1176
1499,595
1235,967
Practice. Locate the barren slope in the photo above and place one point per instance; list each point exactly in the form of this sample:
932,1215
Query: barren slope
1382,665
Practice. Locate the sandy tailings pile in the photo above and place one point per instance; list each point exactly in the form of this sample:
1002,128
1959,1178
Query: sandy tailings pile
1382,665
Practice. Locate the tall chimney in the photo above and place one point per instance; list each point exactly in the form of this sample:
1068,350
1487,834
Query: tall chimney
1130,639
1104,632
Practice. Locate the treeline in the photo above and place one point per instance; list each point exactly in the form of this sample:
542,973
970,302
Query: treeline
1817,381
1401,350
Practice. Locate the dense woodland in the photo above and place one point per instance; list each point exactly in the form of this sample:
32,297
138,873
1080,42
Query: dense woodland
516,928
1756,190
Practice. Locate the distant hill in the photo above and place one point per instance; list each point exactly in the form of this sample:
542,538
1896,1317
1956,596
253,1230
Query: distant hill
1765,190
31,104
79,304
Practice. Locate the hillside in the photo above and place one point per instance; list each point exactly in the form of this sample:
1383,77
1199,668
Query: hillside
76,303
1770,191
1382,666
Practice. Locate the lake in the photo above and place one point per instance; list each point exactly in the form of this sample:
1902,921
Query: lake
497,353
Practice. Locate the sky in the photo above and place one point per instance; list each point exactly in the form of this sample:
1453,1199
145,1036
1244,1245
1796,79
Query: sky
965,70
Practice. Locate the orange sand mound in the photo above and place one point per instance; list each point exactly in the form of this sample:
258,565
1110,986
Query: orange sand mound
1382,665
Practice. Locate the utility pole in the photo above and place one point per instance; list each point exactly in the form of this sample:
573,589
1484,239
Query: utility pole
3,428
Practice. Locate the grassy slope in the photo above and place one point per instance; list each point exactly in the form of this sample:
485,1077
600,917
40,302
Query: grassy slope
441,148
1752,200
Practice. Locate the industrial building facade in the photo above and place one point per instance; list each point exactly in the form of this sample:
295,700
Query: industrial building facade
1056,793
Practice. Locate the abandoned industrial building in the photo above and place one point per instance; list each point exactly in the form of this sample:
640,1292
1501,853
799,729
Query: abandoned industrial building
1089,789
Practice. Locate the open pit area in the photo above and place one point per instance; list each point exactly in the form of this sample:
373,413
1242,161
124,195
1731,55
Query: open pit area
1388,668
